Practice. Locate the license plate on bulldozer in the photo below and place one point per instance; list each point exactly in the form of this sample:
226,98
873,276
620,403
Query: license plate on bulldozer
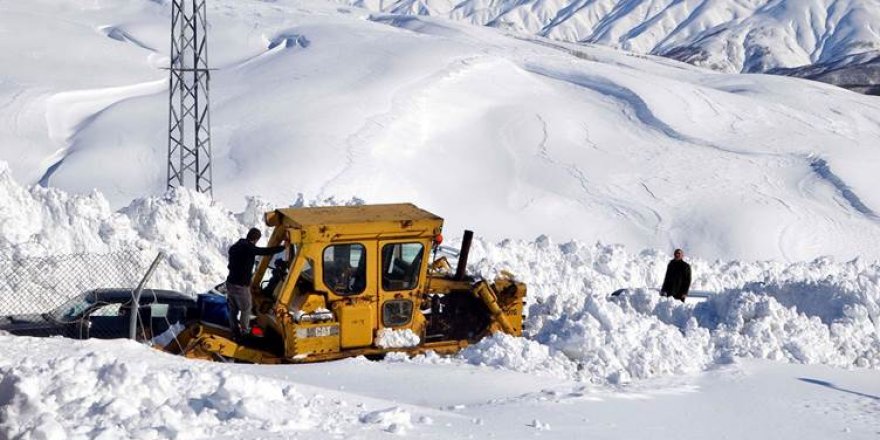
317,332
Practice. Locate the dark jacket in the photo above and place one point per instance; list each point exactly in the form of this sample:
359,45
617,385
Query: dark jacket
241,261
678,279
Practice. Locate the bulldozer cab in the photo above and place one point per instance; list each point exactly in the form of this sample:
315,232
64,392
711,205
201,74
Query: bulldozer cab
364,265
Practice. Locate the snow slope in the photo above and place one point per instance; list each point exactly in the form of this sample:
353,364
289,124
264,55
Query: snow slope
726,35
508,136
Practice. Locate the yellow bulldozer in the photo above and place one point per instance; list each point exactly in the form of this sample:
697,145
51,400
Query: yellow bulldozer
360,280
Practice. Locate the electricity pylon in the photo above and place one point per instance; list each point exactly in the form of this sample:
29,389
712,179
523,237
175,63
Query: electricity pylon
189,121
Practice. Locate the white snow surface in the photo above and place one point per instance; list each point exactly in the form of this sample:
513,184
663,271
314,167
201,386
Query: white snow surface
114,389
726,35
59,389
509,135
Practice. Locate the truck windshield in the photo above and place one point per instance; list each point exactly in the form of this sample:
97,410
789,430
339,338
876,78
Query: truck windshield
74,308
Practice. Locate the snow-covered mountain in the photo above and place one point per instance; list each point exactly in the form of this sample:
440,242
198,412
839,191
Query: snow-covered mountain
511,136
835,41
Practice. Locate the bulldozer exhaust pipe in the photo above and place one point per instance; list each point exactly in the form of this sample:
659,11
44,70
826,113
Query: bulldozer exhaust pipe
461,270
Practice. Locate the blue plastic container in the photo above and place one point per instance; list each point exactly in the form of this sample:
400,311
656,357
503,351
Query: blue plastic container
213,309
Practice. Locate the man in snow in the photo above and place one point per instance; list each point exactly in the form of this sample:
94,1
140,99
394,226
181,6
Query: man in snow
677,281
242,256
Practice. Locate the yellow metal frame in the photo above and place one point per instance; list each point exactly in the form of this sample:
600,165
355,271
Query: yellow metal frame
356,318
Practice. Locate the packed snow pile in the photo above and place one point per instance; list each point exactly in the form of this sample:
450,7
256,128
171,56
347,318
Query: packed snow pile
518,354
390,338
818,312
192,231
809,312
118,389
394,420
612,343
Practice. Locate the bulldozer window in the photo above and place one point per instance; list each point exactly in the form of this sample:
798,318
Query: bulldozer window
400,265
345,268
396,312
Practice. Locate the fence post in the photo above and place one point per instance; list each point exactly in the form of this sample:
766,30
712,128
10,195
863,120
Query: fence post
136,295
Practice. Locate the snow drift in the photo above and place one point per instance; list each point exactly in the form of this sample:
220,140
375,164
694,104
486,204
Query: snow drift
807,312
109,390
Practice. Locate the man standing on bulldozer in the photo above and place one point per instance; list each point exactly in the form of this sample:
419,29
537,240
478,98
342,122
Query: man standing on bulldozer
242,256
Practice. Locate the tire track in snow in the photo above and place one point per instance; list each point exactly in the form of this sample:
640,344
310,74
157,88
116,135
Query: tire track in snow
644,115
620,207
401,100
14,98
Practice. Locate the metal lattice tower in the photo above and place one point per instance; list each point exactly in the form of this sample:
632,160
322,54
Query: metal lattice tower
189,121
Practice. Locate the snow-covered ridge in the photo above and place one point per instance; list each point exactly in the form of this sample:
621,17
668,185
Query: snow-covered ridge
725,35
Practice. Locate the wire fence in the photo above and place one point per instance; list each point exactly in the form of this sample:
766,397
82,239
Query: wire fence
85,296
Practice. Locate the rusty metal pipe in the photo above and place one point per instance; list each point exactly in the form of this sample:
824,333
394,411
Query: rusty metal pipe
461,270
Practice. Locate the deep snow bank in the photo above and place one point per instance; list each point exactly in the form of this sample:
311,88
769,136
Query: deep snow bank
812,312
808,312
187,226
117,389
